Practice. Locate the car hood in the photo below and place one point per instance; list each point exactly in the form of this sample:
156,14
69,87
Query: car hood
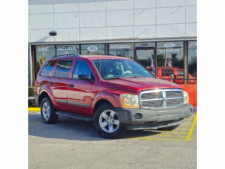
138,84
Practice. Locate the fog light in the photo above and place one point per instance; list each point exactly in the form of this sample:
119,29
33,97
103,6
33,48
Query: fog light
138,116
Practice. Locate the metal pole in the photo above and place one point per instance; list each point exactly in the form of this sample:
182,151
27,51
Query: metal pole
185,62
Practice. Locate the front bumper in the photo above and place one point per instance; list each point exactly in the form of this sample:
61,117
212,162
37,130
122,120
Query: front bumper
152,118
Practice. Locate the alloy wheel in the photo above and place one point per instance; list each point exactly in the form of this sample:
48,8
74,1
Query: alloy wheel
108,121
46,110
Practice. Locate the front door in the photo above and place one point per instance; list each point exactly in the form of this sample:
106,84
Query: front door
80,94
146,57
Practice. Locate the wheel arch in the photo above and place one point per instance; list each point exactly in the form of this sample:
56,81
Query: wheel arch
42,95
100,102
111,97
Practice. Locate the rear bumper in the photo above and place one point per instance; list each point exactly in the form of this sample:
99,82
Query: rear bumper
146,118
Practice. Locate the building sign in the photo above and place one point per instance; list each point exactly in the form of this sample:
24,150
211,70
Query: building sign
42,49
169,50
120,46
169,45
66,48
92,48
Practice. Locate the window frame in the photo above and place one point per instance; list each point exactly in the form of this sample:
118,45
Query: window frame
52,71
163,69
90,67
71,66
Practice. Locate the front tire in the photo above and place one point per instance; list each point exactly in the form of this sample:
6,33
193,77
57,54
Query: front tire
48,112
106,122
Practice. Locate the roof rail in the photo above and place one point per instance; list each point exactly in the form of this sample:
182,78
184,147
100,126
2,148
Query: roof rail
65,55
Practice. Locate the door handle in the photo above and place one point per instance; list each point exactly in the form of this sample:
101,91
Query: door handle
70,85
51,83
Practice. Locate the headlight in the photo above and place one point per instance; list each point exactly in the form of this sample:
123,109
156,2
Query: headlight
129,101
186,97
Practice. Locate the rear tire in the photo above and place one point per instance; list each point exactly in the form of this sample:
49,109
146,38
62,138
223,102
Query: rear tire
47,111
106,122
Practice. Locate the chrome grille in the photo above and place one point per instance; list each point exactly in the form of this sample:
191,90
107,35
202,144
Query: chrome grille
161,98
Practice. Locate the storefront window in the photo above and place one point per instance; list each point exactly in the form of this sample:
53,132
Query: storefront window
67,49
42,54
192,58
122,49
29,72
145,53
170,54
93,49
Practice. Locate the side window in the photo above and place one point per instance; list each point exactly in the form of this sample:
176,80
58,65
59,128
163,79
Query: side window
63,68
47,68
167,72
180,73
81,68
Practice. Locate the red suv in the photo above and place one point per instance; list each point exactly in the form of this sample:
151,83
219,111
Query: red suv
115,93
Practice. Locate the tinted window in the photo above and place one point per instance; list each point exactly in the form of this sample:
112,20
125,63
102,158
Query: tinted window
167,72
81,68
63,68
180,73
47,69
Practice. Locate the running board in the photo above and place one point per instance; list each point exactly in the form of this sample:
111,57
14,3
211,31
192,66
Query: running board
75,116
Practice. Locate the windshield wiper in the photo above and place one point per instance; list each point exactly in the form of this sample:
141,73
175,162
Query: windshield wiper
111,78
135,76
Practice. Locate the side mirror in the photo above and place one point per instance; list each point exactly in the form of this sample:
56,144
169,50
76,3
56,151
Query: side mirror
85,77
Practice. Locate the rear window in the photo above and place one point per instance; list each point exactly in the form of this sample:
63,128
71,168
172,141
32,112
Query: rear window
63,68
180,72
47,68
167,72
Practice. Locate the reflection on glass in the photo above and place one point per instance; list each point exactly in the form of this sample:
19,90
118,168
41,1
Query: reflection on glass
93,49
63,68
43,53
119,68
145,57
170,54
81,68
122,49
67,49
192,58
47,69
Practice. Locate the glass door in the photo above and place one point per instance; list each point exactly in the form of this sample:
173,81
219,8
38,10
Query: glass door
146,57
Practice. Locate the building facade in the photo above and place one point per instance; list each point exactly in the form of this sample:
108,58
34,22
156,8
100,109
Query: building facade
156,33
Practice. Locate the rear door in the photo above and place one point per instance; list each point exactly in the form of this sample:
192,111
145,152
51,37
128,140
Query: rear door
59,83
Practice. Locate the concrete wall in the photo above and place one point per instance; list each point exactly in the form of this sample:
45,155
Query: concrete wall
84,20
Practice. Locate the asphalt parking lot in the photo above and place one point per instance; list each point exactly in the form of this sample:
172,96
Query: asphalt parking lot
74,144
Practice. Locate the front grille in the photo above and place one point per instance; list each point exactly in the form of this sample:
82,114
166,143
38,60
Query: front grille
161,98
154,103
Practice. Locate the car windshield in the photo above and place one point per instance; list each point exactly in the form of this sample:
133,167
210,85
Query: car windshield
120,68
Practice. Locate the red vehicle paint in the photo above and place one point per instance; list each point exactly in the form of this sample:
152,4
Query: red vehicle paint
173,74
114,92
